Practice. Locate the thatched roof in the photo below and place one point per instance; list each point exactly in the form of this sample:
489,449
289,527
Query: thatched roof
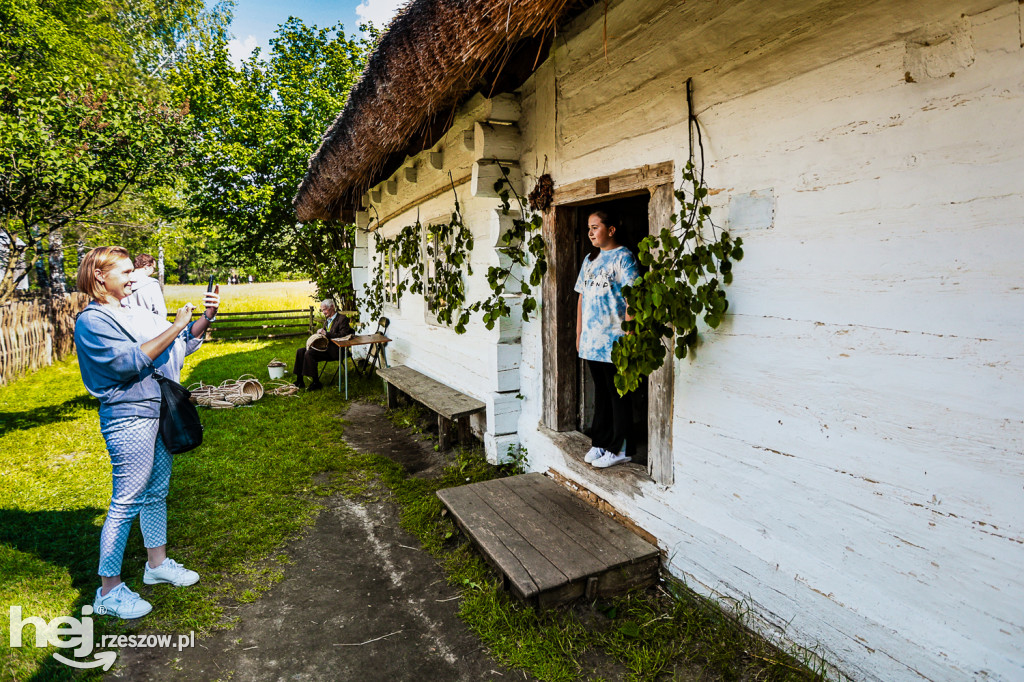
434,54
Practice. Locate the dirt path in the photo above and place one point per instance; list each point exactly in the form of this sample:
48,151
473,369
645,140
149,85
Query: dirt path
360,600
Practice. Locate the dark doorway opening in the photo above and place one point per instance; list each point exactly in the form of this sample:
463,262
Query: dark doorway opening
632,212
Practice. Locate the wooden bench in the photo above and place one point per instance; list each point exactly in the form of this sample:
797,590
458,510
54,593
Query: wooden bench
449,404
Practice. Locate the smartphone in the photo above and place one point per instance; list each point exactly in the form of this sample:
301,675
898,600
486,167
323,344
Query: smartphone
209,286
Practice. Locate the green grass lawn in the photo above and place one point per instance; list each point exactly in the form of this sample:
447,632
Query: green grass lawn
255,483
233,502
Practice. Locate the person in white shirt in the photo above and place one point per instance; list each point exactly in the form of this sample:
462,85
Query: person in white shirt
600,312
146,291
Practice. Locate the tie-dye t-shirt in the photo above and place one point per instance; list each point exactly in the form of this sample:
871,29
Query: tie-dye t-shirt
600,284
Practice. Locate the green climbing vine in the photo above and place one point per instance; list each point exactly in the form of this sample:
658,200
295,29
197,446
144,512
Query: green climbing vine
448,247
400,251
438,275
436,271
518,246
681,284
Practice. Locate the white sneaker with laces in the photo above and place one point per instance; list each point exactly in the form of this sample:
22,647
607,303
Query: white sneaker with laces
610,459
170,571
593,454
120,602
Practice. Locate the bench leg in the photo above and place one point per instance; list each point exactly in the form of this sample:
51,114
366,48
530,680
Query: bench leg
392,397
464,431
444,433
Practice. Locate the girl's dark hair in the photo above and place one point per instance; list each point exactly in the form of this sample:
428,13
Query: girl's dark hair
609,219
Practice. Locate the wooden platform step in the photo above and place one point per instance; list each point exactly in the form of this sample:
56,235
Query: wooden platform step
550,546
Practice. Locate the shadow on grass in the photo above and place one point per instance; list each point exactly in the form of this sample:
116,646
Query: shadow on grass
44,415
250,487
215,370
69,538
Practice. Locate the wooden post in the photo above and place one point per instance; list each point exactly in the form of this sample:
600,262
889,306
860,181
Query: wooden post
558,320
464,432
444,433
392,396
660,383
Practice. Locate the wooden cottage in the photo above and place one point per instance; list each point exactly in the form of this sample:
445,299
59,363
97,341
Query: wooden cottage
844,455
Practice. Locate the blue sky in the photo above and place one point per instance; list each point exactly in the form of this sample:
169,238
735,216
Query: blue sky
255,20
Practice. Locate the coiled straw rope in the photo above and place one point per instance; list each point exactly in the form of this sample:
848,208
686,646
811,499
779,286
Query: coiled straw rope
230,393
281,387
244,390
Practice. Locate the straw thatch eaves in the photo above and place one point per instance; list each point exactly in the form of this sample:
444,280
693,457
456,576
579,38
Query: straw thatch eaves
434,54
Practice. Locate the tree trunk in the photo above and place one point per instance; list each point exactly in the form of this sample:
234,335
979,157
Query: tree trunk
58,282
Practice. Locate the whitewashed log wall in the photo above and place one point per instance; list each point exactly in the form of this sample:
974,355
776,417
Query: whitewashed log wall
482,363
848,445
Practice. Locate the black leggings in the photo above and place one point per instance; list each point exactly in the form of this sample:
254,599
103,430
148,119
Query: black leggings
613,414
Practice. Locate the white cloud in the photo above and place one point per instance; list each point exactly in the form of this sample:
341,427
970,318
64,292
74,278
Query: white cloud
240,50
378,11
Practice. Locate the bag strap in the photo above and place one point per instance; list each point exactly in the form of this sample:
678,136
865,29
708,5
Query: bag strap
156,373
111,318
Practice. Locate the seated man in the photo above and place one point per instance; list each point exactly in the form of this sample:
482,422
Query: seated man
335,327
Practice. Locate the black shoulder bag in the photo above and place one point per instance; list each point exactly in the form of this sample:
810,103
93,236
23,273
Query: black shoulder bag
180,427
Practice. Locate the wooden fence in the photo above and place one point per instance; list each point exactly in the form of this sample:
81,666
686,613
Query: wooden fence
36,331
263,324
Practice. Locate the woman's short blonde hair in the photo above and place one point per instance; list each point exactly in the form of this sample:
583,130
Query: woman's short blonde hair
101,258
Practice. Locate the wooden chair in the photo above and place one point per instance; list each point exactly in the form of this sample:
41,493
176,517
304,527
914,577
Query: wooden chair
370,361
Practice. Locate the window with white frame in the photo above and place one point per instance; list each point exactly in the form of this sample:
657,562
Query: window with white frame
392,276
439,238
435,250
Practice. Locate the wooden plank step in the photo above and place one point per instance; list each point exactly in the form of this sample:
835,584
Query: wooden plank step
444,400
549,546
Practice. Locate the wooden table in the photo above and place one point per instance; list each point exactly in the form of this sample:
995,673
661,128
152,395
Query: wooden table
363,340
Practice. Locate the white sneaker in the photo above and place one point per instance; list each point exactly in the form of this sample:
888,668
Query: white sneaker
593,454
610,459
170,571
120,602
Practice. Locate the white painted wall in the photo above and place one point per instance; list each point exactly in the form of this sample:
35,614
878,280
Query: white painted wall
482,363
848,445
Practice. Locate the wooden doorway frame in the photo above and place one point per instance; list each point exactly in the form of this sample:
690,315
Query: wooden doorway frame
558,320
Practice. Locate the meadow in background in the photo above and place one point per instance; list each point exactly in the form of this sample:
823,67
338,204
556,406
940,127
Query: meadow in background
244,298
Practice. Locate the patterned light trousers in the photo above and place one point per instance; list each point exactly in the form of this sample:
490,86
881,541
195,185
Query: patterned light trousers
141,477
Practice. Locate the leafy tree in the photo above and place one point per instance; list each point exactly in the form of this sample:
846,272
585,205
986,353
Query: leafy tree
258,126
70,154
85,141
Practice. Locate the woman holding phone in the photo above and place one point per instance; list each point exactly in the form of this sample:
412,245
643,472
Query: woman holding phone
119,372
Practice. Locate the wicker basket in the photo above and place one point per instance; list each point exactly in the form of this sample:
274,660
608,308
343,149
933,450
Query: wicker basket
250,386
317,342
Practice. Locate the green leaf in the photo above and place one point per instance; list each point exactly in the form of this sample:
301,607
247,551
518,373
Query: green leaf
630,629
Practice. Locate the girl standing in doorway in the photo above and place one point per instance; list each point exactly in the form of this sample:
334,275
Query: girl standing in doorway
600,312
